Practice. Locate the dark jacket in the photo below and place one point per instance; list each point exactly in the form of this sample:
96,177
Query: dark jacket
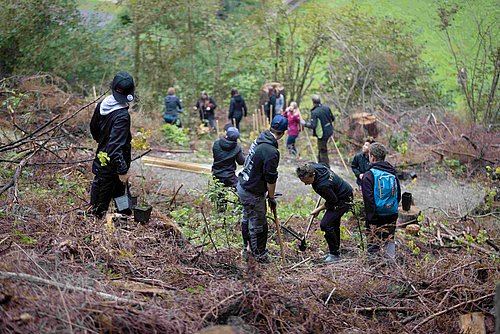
237,107
172,105
202,107
112,133
261,164
271,104
226,154
331,187
323,114
367,187
360,165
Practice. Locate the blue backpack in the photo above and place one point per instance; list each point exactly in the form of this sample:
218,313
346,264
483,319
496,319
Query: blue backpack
385,192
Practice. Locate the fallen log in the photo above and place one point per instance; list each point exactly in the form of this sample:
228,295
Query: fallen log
66,286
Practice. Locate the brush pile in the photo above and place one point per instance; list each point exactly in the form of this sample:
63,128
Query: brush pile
63,271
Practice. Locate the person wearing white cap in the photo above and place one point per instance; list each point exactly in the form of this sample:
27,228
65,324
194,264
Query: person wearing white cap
110,128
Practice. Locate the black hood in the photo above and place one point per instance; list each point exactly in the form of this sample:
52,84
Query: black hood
321,172
238,99
385,166
267,137
226,144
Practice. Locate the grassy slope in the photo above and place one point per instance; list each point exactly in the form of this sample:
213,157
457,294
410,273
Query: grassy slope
423,18
99,6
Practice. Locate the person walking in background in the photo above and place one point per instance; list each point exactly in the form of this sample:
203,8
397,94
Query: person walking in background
173,107
322,125
270,104
280,101
381,195
361,162
206,107
292,113
338,196
110,128
237,108
227,153
258,177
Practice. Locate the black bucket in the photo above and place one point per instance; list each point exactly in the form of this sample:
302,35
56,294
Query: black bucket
406,201
142,214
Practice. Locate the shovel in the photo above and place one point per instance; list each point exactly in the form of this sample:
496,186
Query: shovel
303,245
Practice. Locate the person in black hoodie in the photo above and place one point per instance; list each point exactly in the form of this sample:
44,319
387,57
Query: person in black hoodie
258,177
237,108
380,219
361,162
270,104
110,128
173,107
227,152
338,197
322,125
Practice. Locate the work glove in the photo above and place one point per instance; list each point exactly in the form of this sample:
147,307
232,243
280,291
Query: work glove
272,203
124,177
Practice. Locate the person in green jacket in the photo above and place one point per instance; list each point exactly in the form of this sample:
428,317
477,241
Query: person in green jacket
322,125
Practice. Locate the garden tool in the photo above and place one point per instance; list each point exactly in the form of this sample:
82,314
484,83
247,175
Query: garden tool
303,245
280,240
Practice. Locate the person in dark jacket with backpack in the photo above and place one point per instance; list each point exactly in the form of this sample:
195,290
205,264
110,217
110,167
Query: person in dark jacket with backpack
361,162
322,125
110,128
381,196
258,177
227,153
173,107
338,197
237,108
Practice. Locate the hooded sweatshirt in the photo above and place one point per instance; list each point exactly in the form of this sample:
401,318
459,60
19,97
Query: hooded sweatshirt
367,187
261,164
237,107
331,187
110,128
172,105
226,154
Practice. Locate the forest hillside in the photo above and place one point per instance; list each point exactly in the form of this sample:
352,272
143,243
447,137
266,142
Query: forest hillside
169,255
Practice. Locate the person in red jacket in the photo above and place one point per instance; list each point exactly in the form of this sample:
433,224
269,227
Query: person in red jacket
292,113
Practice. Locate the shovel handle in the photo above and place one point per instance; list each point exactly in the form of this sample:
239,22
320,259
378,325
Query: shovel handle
280,240
312,219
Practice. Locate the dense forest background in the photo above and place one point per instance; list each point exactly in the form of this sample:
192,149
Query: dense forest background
357,54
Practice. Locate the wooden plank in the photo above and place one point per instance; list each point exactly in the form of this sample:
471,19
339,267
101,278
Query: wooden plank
178,165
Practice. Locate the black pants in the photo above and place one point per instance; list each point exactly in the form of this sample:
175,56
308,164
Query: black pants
236,122
379,230
323,151
330,224
104,188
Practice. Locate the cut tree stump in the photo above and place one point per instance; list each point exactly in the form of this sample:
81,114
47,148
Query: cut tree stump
408,217
472,323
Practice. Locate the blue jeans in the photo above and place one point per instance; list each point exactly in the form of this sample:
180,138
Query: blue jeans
291,140
254,223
